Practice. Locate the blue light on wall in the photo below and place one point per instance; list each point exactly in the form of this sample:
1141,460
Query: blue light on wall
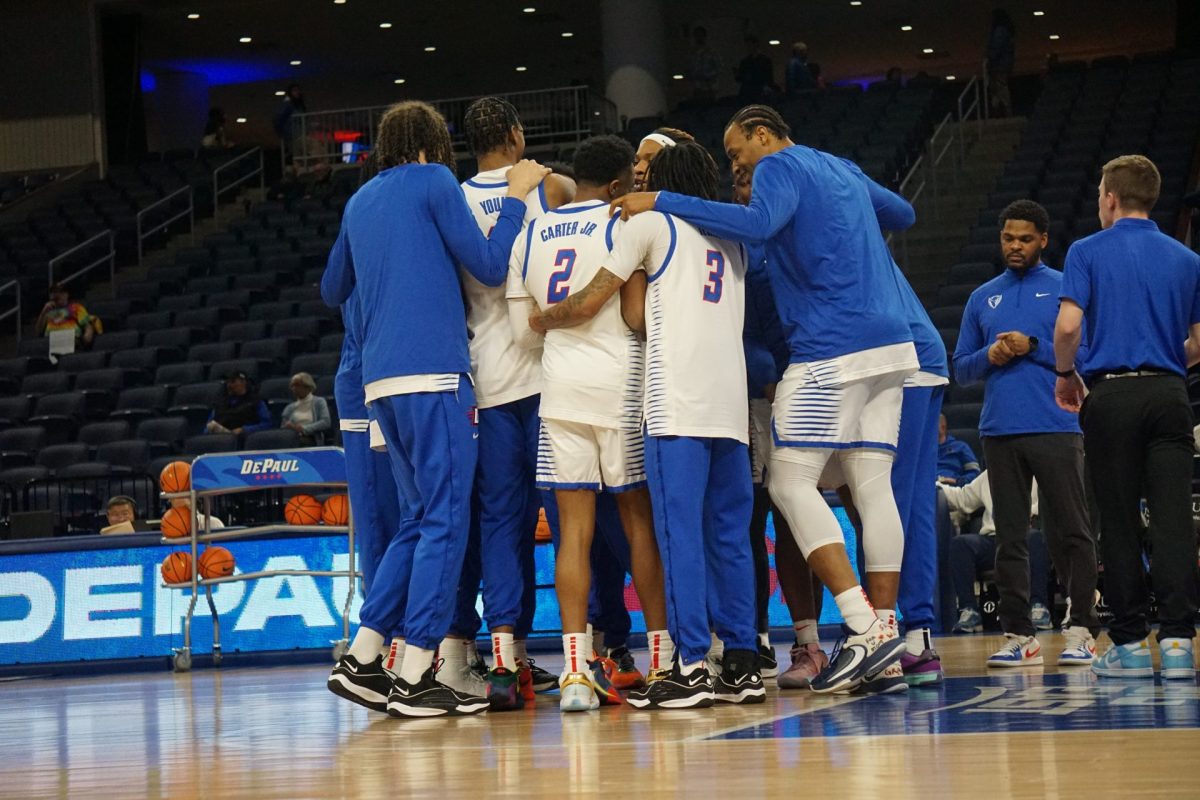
149,83
223,72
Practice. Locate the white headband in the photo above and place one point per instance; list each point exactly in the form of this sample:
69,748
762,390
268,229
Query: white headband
665,141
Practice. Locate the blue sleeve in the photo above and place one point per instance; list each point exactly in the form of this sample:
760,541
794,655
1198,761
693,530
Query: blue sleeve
264,420
773,203
969,463
338,281
893,211
1076,284
1194,318
970,355
485,257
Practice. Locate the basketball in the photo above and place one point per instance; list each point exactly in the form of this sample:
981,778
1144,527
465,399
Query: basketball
336,510
175,477
216,562
177,567
303,509
176,523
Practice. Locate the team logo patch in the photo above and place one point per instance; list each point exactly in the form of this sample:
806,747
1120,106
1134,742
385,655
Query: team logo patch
473,415
995,299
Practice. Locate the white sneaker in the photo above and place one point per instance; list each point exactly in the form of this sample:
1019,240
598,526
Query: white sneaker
577,692
1080,647
1018,651
464,680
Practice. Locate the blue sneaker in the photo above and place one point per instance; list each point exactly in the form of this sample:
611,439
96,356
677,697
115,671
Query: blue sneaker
1040,616
969,621
1125,661
1178,660
1018,651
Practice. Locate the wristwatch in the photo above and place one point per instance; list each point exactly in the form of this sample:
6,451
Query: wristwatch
1067,373
1033,343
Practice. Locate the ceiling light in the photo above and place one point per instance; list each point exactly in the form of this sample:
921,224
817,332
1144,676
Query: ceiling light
430,49
951,78
241,119
398,81
521,69
385,24
1054,37
856,2
927,51
295,63
193,16
567,34
529,9
773,42
280,93
677,77
245,40
1039,13
906,28
339,2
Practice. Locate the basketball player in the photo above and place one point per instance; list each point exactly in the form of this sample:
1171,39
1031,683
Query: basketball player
843,389
648,148
507,382
696,430
591,406
415,365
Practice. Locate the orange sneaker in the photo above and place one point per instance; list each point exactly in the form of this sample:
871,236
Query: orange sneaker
602,681
525,682
626,675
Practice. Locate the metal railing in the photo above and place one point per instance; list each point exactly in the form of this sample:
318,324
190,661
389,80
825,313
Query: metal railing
550,117
219,190
110,257
15,311
189,212
977,106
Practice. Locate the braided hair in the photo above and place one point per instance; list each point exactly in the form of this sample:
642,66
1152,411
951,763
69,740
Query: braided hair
751,117
409,127
687,169
488,122
676,134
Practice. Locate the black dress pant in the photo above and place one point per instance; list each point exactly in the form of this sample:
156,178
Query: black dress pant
1138,435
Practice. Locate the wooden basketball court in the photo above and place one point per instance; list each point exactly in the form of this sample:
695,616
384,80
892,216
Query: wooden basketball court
278,733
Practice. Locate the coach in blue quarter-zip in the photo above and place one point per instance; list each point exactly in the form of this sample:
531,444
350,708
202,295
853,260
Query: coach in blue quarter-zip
1007,341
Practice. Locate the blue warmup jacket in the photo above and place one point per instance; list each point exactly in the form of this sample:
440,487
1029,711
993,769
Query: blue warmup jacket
348,383
403,236
957,460
762,334
1020,395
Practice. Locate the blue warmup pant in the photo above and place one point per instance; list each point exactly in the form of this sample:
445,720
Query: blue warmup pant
432,449
374,504
914,479
610,563
703,499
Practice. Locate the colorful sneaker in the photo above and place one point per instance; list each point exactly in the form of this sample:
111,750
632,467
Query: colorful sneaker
969,621
1018,651
1178,659
890,681
504,690
768,662
525,682
1125,661
578,693
1079,647
541,680
859,656
807,662
740,680
602,670
429,698
922,670
1041,617
626,675
366,684
676,690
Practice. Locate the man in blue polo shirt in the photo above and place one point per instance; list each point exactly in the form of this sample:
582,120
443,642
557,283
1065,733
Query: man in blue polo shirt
1006,336
1139,293
957,464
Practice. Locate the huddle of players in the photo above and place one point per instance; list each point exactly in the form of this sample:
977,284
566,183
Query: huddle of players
611,362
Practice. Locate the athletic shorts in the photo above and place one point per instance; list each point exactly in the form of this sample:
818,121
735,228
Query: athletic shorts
576,455
760,439
851,402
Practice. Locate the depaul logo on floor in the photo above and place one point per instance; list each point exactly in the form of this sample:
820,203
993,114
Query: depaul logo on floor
103,604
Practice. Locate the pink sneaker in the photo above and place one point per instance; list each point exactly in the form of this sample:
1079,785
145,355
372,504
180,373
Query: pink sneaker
807,662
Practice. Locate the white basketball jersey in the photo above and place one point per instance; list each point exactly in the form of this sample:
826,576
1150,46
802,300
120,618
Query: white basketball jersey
695,306
503,372
591,373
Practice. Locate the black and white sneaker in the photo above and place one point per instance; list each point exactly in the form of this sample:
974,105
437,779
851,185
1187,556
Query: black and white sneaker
428,698
366,684
768,662
676,690
859,656
542,681
740,680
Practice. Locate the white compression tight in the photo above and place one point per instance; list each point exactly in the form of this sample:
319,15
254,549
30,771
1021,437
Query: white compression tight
793,486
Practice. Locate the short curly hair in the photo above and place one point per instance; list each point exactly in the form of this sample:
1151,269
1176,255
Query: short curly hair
407,129
1026,211
602,159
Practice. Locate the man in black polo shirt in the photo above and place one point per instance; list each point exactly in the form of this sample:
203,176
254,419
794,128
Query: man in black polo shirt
1139,293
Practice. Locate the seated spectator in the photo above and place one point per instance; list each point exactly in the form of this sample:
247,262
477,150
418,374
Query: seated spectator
239,410
197,523
60,314
214,131
755,74
974,553
307,415
799,76
121,511
957,464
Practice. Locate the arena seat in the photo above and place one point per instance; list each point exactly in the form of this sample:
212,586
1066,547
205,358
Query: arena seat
130,454
165,434
210,443
83,361
279,439
95,434
173,375
56,456
962,415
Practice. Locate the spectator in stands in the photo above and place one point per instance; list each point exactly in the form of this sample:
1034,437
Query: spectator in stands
975,553
1001,57
799,77
755,73
1027,436
214,131
307,415
121,512
957,463
293,103
705,68
61,314
239,409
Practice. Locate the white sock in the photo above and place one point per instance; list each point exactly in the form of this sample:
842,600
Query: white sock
806,631
471,652
519,652
916,641
395,656
597,641
662,649
688,669
856,609
366,645
417,662
764,639
716,650
502,651
575,652
453,654
888,615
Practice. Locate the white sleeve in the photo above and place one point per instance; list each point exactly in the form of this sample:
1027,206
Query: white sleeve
515,288
635,245
519,309
965,499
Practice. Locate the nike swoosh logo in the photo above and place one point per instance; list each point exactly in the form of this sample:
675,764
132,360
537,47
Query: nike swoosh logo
1041,294
350,667
858,654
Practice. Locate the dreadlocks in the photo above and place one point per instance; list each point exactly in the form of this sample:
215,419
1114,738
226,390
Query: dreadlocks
751,117
687,169
487,124
407,129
